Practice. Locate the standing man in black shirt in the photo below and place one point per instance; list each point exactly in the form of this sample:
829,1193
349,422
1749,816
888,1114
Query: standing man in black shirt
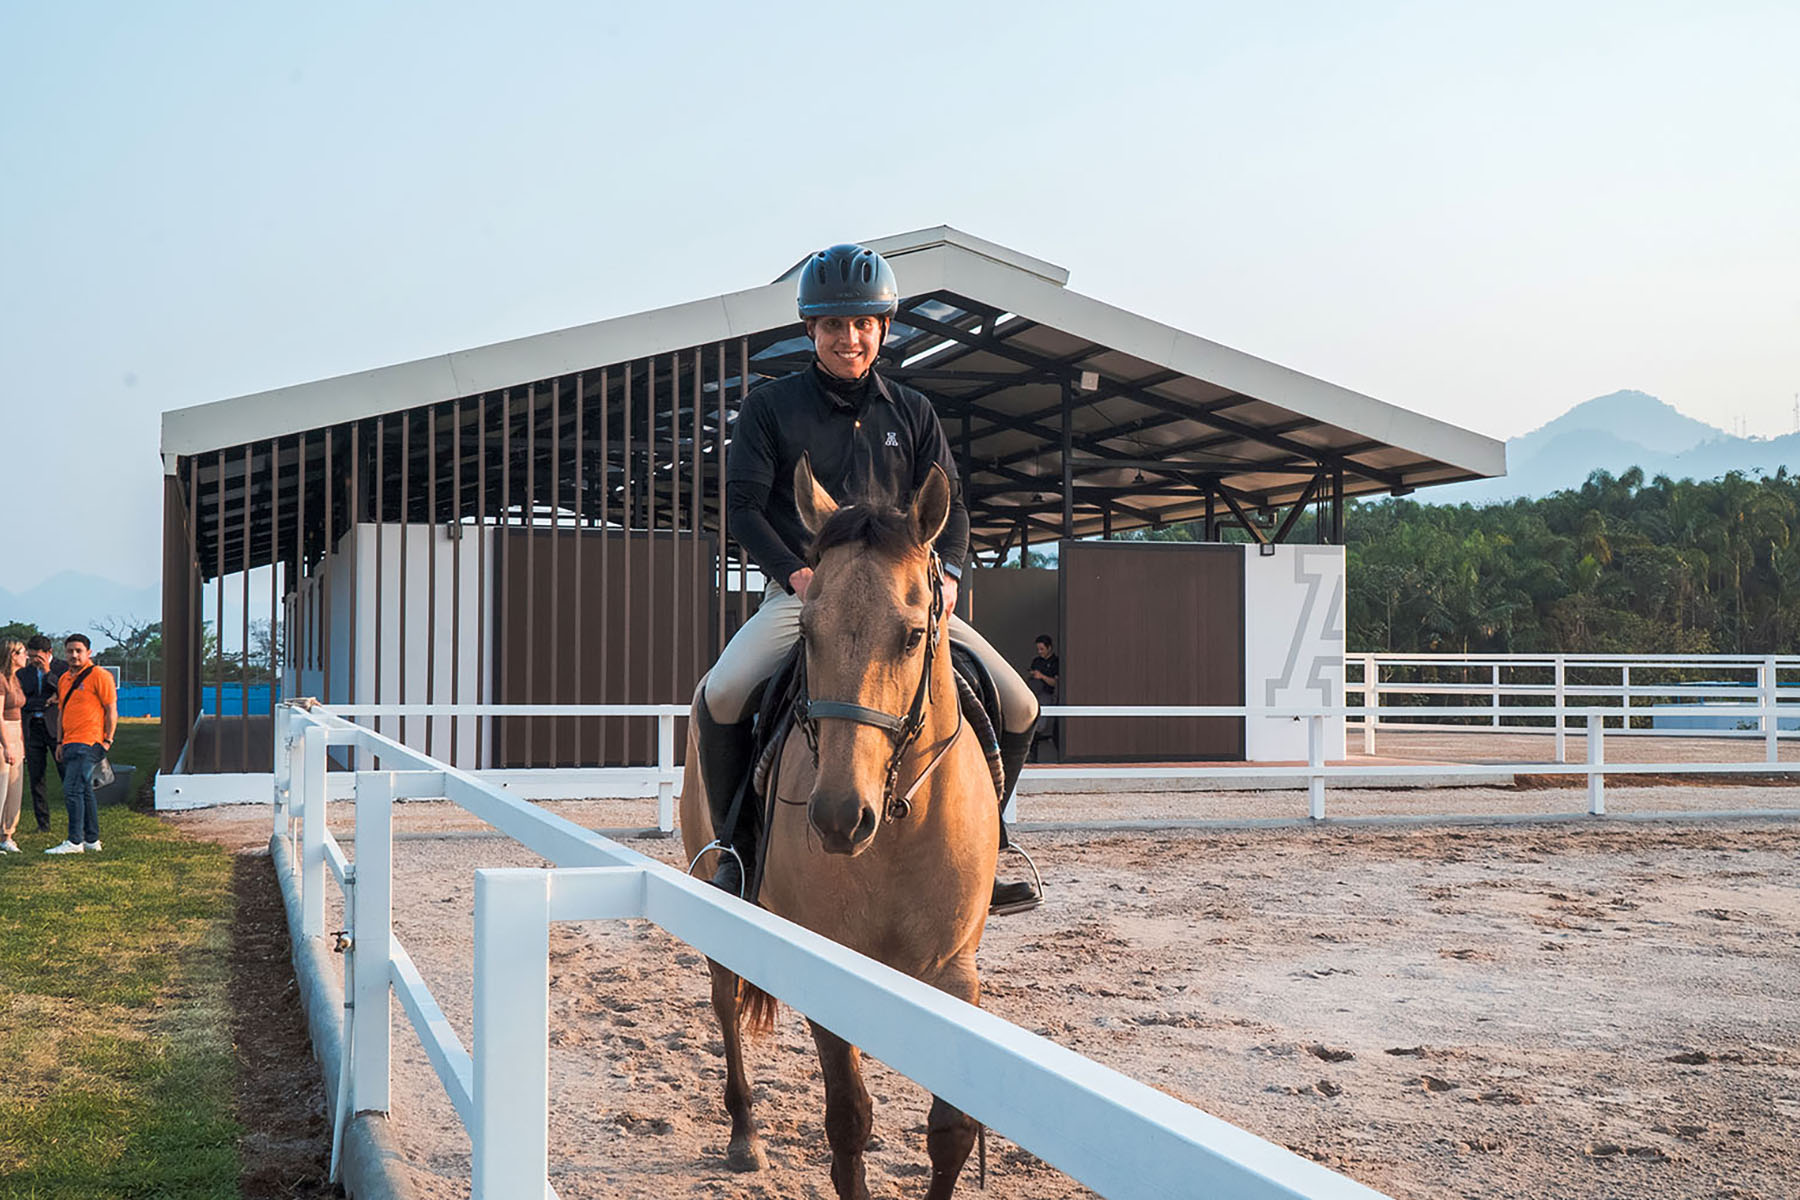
38,678
870,440
1046,672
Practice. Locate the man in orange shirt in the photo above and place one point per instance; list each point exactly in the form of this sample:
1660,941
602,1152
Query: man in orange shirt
88,703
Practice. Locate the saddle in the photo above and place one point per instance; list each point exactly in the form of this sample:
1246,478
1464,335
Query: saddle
780,700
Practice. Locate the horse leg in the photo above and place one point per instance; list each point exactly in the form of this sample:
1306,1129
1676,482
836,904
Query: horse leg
949,1131
847,1118
745,1152
950,1135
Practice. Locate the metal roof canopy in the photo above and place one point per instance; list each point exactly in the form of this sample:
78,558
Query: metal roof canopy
1071,417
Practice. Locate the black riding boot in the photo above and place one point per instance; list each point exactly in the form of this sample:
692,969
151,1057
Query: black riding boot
1021,895
725,752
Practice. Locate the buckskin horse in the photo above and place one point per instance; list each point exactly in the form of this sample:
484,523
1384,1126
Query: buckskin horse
883,831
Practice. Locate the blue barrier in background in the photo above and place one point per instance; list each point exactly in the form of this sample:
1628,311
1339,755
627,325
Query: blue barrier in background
145,700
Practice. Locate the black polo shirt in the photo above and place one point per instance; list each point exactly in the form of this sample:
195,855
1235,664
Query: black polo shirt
872,448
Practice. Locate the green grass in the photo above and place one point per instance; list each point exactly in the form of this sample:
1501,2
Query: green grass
116,1065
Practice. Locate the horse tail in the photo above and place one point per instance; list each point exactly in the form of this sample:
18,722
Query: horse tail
756,1008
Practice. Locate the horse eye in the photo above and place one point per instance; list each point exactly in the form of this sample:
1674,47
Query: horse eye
913,639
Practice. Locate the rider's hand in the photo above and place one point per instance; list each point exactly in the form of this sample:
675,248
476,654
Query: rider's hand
799,581
949,593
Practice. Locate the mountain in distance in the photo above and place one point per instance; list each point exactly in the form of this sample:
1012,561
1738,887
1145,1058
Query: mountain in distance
71,601
1615,433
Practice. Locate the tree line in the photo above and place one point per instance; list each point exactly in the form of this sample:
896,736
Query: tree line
1618,565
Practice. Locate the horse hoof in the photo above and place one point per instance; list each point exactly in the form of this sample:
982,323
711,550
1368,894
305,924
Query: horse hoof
746,1156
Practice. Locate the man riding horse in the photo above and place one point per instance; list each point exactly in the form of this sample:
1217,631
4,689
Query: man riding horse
870,440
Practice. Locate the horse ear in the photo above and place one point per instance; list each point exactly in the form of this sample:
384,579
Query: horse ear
931,507
814,502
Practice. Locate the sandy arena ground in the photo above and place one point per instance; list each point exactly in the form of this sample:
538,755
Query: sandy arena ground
1573,1010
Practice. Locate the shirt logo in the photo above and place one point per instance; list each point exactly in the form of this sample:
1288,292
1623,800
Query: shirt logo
893,439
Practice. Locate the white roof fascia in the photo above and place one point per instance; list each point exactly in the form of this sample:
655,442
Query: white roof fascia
1165,346
370,393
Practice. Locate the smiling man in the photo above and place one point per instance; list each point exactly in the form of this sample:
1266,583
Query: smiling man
870,440
88,708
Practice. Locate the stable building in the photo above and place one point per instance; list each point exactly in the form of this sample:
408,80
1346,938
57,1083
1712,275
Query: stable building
541,521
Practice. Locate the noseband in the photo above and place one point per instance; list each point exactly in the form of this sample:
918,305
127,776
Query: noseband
903,731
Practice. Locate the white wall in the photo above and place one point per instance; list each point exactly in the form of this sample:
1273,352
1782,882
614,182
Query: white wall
1293,646
347,583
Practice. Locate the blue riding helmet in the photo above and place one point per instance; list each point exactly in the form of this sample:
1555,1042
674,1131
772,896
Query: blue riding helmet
847,281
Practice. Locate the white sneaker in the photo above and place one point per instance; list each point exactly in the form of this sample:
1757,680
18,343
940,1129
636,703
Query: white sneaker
65,848
91,847
10,847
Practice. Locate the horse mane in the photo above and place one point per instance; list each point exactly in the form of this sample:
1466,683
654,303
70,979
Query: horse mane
887,531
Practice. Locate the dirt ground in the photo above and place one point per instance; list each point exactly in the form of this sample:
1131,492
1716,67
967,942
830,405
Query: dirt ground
1571,1010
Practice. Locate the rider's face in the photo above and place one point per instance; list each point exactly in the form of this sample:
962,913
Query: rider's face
846,345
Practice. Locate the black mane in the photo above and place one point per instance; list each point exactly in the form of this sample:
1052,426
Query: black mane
887,531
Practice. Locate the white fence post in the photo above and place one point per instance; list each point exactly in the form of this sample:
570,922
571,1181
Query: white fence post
1625,695
312,832
1371,701
372,922
665,767
284,770
1496,697
1596,756
511,1057
1315,762
1562,696
1771,722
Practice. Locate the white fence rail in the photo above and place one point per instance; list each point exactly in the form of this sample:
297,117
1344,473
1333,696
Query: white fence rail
1069,1111
1737,693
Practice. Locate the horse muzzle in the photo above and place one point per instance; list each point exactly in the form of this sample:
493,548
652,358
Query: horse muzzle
844,823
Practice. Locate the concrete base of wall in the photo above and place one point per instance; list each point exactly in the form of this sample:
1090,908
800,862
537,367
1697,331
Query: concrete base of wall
369,1164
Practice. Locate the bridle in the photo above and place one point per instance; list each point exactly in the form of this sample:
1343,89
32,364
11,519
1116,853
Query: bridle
902,730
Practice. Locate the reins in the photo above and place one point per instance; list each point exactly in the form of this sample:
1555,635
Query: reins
902,730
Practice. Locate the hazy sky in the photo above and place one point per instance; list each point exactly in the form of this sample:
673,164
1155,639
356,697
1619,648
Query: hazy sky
1486,213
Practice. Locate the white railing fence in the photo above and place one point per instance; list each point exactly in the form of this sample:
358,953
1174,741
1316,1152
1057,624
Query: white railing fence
1700,695
1067,1110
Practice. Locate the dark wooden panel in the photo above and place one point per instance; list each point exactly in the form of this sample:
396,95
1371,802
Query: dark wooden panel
1011,608
617,664
1152,623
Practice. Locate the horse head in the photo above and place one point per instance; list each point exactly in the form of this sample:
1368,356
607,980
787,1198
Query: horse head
870,625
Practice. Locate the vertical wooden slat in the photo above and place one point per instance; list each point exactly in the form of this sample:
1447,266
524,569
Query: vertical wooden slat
743,558
556,594
527,726
503,616
674,604
401,660
652,554
696,611
177,586
580,609
218,728
627,643
353,518
275,638
724,545
456,513
483,677
606,538
244,599
431,541
380,550
324,560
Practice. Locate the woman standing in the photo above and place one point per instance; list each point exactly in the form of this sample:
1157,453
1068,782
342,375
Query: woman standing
12,741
